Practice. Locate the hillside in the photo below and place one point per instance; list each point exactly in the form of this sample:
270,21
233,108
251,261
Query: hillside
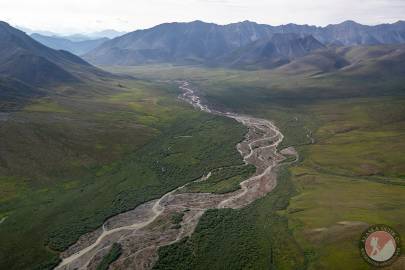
28,68
277,51
360,62
24,59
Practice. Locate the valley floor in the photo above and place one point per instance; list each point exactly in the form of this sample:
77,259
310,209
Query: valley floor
142,231
350,175
72,160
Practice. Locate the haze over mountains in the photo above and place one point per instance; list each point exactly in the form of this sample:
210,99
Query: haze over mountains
76,46
207,43
107,33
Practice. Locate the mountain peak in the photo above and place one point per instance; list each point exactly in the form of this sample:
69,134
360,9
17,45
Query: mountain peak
248,22
199,22
400,22
245,22
347,23
350,23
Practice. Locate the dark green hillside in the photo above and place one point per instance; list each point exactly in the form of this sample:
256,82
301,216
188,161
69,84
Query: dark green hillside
14,93
118,145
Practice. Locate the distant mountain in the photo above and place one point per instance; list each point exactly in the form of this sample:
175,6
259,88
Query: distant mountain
30,31
352,33
201,43
105,34
195,42
280,49
108,33
349,33
74,37
25,64
60,43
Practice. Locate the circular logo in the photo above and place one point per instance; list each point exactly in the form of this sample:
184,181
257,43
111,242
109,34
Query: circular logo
380,245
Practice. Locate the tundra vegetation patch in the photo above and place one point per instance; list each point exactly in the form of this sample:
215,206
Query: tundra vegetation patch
120,148
350,172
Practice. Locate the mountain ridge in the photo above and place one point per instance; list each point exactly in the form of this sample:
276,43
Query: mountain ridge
27,66
198,42
276,51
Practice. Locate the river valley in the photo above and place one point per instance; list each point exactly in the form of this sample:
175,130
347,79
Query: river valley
144,229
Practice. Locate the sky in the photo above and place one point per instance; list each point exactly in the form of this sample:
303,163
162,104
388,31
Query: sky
83,16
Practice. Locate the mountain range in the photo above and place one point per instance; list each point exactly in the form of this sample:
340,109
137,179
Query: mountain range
207,43
349,48
107,33
78,46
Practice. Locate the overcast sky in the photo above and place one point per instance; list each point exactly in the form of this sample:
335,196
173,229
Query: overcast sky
70,16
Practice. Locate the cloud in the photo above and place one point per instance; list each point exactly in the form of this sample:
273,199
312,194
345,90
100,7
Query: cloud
93,15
